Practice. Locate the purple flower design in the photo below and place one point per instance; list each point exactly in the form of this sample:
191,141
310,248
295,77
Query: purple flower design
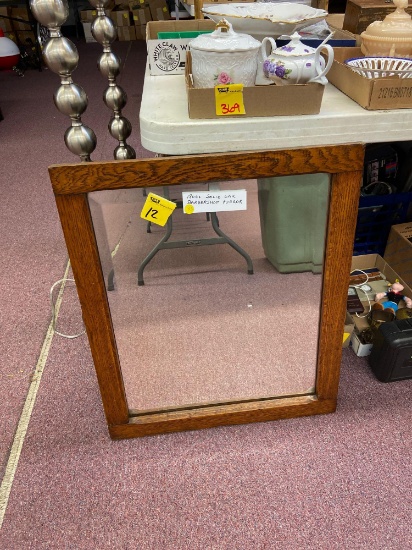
275,69
266,67
287,48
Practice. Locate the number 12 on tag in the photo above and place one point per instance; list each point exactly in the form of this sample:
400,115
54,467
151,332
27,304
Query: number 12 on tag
157,209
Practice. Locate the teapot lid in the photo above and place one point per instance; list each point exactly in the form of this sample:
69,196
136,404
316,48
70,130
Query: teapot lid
395,25
295,47
224,39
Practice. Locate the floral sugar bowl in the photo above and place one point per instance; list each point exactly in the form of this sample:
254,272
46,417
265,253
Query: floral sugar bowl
224,57
294,63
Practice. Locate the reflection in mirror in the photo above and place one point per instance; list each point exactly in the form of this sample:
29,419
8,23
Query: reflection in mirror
192,324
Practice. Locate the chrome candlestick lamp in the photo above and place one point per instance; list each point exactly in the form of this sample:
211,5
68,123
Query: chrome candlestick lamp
61,57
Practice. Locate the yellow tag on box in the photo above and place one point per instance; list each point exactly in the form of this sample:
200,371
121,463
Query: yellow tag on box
229,99
157,209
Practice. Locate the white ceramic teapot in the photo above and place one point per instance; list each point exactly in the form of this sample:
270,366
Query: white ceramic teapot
294,63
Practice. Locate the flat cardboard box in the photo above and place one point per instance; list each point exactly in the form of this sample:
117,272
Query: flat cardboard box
361,322
136,4
176,48
371,94
294,99
140,31
141,16
348,330
89,15
398,251
159,10
125,34
87,29
121,16
367,261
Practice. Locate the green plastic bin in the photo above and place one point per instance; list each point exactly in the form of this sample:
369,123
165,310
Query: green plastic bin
293,216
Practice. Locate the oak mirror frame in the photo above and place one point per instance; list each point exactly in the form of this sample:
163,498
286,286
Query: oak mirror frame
71,184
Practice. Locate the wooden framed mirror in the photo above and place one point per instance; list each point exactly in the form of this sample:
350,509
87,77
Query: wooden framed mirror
72,184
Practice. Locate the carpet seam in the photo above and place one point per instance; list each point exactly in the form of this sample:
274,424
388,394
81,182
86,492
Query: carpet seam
24,420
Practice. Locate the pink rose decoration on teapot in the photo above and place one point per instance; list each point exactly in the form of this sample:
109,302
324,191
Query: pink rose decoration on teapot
223,78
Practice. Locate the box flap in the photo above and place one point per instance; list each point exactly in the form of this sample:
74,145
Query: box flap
153,27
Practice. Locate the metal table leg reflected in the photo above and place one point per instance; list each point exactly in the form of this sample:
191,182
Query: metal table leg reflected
164,243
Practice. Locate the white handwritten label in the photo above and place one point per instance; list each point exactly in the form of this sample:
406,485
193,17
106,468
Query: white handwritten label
214,201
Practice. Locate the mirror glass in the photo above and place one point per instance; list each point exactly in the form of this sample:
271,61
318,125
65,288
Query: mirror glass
192,323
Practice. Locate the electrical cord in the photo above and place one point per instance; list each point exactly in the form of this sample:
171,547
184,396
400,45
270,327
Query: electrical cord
376,188
54,314
359,286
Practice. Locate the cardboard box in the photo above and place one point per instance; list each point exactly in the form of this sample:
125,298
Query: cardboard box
136,4
174,48
347,330
398,251
140,31
159,10
125,34
23,14
294,99
367,261
371,94
360,347
359,14
87,29
141,16
121,16
5,24
87,16
27,38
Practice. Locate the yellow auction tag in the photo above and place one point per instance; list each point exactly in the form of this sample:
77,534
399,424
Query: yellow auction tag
345,336
229,99
157,209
